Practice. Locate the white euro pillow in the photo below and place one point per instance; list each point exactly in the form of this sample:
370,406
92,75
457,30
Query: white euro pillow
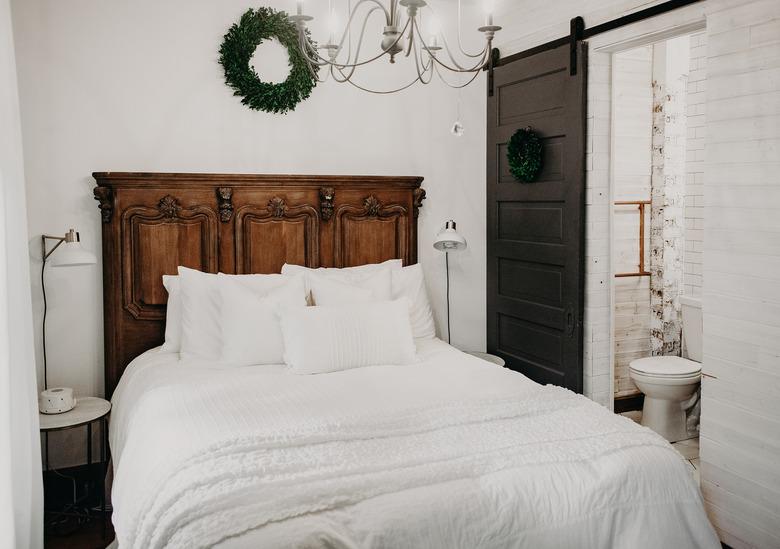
329,339
324,281
201,333
409,282
346,274
172,342
251,333
376,286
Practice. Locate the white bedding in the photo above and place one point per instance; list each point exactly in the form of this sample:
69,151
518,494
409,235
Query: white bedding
446,453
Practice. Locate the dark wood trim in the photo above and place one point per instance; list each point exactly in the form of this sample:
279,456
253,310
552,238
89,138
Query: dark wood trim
629,403
148,179
628,19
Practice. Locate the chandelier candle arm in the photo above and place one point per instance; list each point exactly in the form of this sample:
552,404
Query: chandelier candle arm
409,40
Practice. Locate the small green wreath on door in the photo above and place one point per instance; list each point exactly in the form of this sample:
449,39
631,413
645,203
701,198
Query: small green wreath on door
525,155
237,50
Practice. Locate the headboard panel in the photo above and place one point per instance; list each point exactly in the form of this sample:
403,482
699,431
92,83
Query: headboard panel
152,223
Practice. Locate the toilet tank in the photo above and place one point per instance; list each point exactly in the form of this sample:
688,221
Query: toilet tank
692,331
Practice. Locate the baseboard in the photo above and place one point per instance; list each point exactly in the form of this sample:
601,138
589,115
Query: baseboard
629,403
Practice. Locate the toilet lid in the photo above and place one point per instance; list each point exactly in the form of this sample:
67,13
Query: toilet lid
670,366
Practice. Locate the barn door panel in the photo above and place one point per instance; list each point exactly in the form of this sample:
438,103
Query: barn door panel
535,233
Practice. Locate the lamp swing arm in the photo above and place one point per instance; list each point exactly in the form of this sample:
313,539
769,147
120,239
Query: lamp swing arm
70,236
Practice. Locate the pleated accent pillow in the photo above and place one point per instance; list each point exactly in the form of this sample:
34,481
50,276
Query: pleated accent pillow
329,339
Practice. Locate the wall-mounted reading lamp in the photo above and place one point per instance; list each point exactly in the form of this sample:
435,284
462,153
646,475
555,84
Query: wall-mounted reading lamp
70,254
449,240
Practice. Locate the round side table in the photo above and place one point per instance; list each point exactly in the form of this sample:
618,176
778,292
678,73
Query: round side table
88,410
497,360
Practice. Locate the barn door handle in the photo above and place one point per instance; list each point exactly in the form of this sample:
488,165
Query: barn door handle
570,320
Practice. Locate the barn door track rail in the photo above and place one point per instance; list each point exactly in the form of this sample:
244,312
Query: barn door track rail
579,32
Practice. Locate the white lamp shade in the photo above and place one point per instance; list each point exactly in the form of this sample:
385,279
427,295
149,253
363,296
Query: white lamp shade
70,254
449,240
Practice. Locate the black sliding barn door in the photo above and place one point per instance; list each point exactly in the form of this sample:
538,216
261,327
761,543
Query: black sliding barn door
535,232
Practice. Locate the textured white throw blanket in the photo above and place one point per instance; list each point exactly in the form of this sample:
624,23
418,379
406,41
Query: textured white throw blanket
205,457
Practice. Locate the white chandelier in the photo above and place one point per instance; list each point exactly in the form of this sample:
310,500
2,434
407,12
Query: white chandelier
401,36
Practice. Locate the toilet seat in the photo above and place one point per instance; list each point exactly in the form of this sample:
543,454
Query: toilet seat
666,367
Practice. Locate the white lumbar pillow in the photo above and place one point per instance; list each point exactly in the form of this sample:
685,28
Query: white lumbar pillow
251,333
201,333
172,315
409,282
328,339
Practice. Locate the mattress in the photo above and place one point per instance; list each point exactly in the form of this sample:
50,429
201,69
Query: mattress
448,452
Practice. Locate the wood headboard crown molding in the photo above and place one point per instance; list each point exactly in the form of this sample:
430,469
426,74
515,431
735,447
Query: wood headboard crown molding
236,224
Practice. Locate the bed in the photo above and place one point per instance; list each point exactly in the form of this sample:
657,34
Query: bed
450,451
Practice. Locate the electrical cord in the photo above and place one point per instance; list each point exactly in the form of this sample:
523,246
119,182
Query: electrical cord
447,264
43,326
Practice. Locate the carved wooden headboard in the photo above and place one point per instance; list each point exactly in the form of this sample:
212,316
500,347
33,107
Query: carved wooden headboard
152,223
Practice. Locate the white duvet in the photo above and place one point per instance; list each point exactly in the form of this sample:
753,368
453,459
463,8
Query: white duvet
451,452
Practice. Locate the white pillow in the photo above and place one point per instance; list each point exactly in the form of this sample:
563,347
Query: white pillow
172,315
347,274
328,339
250,322
362,276
409,282
325,290
201,334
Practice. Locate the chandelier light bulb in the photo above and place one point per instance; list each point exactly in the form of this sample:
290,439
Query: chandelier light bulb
488,6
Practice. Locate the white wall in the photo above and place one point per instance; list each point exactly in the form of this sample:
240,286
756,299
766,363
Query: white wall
740,425
136,86
21,493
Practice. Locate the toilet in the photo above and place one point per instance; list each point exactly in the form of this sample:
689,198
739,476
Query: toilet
669,382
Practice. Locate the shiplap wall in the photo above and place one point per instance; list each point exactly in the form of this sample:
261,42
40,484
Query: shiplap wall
694,165
740,427
597,344
632,124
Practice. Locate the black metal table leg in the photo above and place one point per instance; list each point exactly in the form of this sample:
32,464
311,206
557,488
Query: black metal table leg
103,471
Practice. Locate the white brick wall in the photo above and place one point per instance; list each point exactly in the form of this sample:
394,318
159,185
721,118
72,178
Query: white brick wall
694,166
740,426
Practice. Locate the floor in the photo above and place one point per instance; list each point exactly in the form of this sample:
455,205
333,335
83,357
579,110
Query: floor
74,535
688,449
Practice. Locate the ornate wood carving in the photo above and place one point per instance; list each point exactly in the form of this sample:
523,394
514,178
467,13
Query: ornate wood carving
277,207
327,194
105,198
225,203
372,205
169,207
418,195
155,242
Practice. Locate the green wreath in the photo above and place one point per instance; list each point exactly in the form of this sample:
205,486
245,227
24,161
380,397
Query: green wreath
524,153
237,50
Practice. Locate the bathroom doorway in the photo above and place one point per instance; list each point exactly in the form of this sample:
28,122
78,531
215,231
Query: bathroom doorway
657,192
